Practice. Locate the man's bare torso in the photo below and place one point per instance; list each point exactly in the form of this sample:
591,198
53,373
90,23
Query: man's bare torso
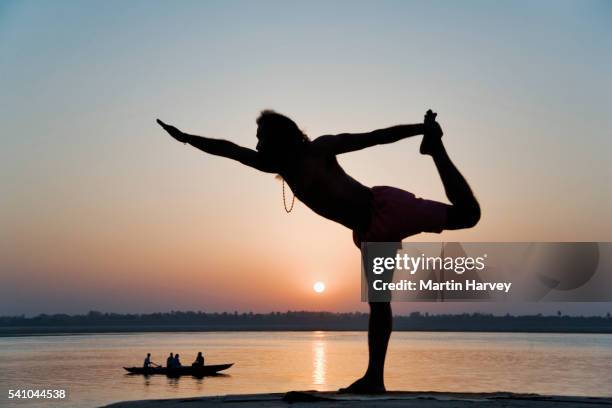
318,180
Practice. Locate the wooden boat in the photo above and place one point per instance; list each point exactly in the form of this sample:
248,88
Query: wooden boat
179,371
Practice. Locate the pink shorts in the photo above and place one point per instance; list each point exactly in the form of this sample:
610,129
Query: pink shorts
397,214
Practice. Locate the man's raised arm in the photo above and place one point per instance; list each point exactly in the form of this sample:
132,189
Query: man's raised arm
219,147
349,142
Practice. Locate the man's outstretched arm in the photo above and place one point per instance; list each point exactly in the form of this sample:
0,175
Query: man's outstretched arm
350,142
219,147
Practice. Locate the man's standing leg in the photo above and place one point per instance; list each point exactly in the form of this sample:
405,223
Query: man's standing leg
380,325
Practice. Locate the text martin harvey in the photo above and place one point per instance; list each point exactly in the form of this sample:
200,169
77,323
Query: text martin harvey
430,285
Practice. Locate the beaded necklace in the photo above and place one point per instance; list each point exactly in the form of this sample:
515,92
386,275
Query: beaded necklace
287,210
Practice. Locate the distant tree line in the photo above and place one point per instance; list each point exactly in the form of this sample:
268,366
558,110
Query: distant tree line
295,320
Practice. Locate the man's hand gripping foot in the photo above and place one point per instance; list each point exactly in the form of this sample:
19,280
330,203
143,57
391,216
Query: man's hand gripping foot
432,137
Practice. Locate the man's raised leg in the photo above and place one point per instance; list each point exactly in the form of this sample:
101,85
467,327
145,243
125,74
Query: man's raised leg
465,211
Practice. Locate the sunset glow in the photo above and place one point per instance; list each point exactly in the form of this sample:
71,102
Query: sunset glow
101,209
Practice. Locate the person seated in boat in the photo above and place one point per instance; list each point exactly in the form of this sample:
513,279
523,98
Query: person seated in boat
147,361
199,361
170,361
177,361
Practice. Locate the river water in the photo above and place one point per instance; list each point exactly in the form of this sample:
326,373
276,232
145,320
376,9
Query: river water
89,366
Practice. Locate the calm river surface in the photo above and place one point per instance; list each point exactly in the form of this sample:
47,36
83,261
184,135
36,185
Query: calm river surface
90,366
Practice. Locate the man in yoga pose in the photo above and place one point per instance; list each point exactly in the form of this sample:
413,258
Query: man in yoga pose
377,214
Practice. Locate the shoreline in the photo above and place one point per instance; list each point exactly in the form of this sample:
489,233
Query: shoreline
6,332
415,399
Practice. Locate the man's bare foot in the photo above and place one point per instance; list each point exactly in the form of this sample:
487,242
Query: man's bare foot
432,139
364,386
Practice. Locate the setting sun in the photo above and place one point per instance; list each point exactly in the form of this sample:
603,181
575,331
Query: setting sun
319,287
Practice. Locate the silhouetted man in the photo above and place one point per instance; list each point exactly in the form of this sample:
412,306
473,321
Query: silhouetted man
147,361
176,362
377,214
199,361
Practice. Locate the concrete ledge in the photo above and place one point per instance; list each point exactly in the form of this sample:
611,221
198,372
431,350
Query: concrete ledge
414,399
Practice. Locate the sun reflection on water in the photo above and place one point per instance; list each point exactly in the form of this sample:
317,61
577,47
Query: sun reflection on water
319,361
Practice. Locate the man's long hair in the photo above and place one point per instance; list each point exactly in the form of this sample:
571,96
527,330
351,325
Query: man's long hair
283,130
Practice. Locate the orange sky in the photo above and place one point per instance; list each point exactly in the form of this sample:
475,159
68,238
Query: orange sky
100,209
